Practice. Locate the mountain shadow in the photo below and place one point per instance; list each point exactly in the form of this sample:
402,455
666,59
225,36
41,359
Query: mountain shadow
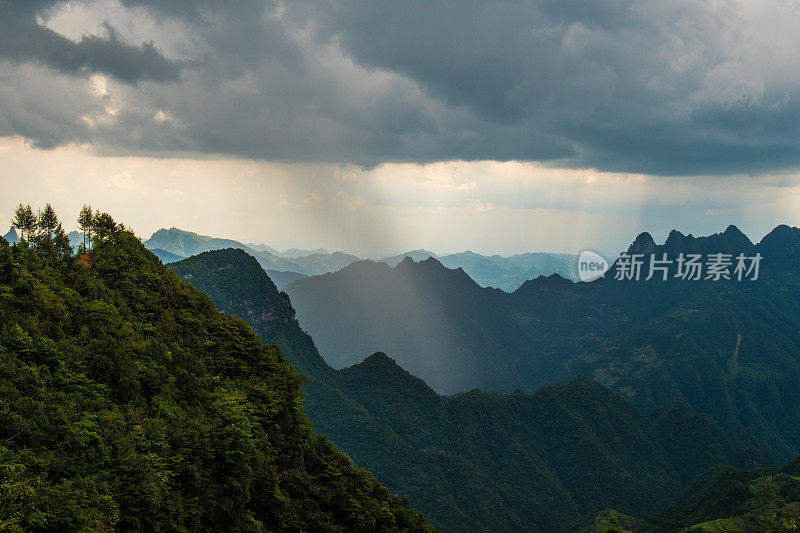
729,348
479,461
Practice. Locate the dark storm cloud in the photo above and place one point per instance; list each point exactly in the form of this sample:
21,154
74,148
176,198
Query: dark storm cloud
22,38
682,87
628,84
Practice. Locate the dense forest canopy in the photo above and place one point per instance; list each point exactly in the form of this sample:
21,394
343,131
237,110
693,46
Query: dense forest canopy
127,401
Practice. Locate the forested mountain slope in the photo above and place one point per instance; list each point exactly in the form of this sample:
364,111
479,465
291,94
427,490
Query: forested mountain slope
478,461
729,348
239,287
728,499
128,402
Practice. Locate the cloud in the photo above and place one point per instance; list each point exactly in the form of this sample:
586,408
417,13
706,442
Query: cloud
23,38
677,88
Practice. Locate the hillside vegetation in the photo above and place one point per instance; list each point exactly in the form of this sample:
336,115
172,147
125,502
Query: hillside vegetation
728,499
128,402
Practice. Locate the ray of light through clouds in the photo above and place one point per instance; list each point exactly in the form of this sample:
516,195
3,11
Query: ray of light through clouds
490,207
377,127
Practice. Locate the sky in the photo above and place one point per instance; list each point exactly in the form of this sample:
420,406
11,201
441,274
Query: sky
376,127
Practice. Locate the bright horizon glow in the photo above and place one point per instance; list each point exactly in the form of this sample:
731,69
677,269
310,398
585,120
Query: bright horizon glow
487,207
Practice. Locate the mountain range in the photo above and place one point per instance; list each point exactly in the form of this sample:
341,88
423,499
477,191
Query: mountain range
478,461
505,273
128,399
730,349
186,244
291,252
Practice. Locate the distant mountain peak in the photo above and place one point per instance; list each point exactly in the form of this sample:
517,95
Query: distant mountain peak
733,230
172,230
381,362
553,281
782,243
408,263
732,240
784,227
381,372
263,248
782,233
733,236
297,252
12,236
434,266
675,235
643,244
379,358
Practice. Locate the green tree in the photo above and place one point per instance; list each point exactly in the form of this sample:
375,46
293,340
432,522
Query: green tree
103,226
784,522
61,244
85,221
24,221
612,525
47,225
